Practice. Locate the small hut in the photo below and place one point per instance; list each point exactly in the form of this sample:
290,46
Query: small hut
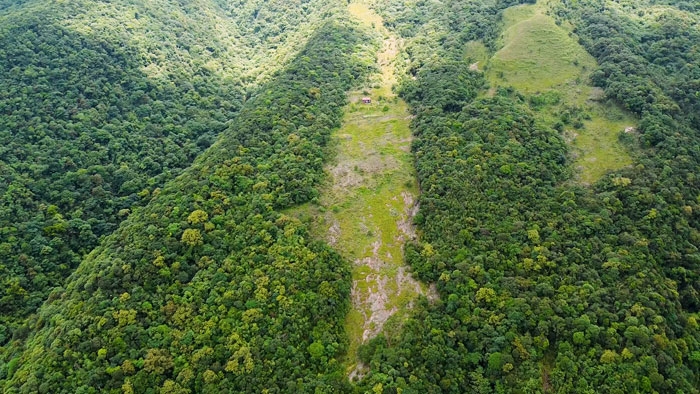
366,100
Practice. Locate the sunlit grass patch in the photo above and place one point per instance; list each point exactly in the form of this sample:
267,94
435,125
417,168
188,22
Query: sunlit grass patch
600,149
538,55
364,210
544,61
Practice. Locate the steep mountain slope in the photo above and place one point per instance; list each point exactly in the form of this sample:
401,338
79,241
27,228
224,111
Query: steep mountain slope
547,286
209,287
540,58
102,102
158,146
650,62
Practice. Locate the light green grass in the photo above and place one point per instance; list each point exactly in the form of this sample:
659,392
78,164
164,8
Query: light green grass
368,212
476,53
361,210
599,148
537,57
537,54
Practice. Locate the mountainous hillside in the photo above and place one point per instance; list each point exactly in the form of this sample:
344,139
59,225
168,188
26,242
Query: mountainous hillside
101,103
547,286
154,156
208,287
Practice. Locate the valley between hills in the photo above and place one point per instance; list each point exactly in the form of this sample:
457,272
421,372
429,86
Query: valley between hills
364,196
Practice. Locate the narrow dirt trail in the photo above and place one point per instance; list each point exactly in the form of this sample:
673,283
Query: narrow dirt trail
366,210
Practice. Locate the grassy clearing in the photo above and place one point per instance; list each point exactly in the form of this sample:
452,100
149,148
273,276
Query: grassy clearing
538,55
542,59
476,54
597,145
366,208
365,15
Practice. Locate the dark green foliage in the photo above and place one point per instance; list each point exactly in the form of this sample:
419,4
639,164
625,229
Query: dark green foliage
451,87
83,132
654,72
209,288
458,20
205,286
103,102
546,286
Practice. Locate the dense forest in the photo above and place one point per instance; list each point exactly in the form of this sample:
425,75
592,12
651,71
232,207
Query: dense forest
208,287
547,286
149,150
101,103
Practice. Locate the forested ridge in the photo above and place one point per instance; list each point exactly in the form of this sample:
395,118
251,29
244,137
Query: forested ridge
150,150
652,67
545,285
101,103
208,287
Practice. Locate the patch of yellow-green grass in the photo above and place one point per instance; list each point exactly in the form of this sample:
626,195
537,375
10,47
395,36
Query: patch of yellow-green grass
361,10
365,209
476,54
514,15
368,220
599,148
537,56
364,14
354,322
